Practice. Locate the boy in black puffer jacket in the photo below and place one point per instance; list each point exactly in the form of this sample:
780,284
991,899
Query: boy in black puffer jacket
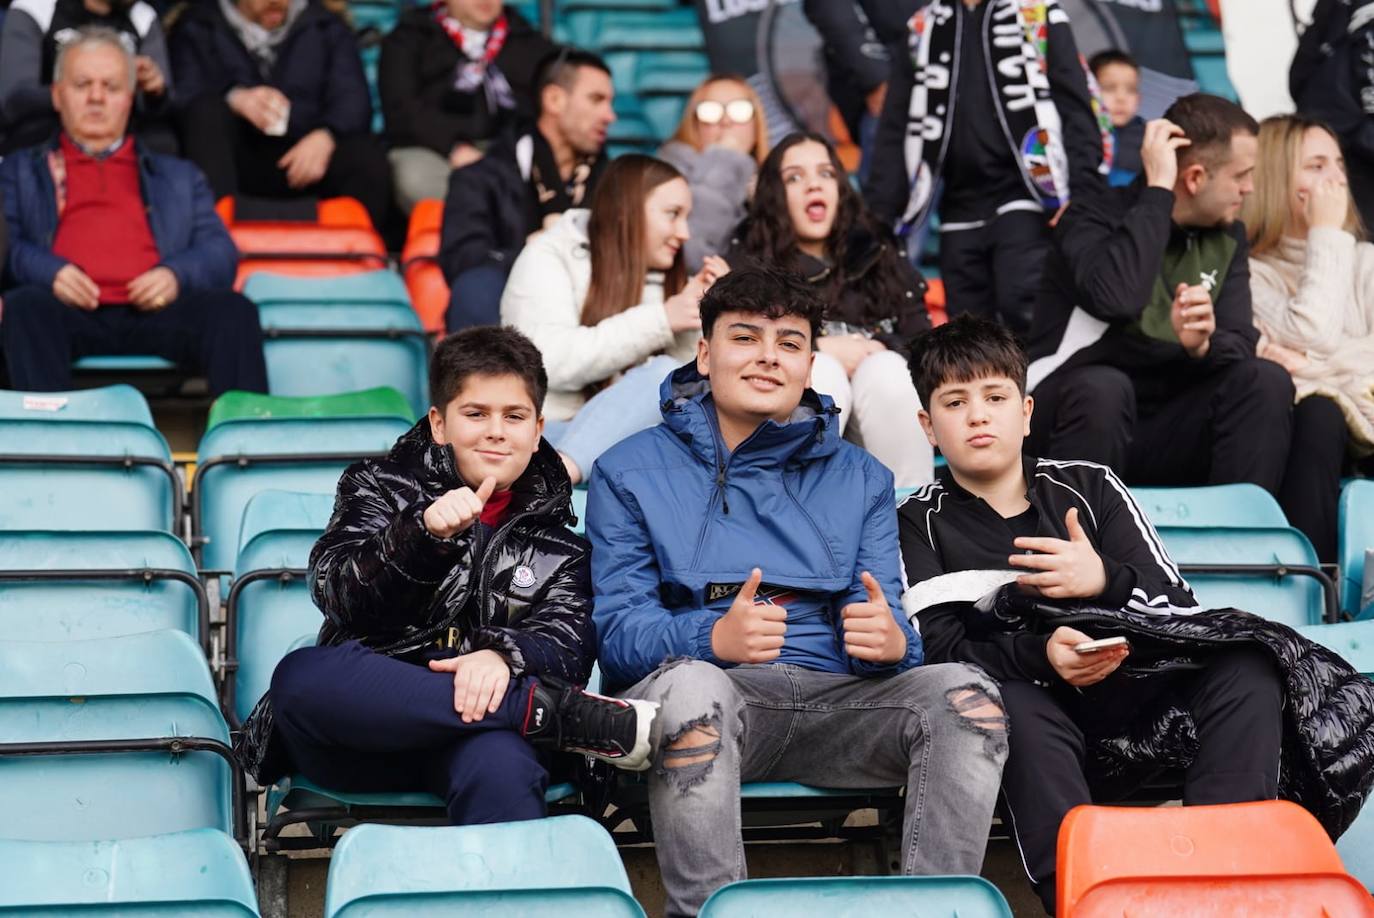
457,618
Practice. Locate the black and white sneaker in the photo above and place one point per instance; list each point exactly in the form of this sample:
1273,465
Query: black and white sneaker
572,719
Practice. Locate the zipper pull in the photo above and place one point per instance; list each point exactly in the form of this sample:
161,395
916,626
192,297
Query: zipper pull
720,484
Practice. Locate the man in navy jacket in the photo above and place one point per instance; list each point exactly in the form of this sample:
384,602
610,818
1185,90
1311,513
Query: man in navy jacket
275,104
746,569
113,249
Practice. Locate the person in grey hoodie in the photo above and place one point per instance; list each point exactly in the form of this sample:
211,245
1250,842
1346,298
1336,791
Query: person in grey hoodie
718,147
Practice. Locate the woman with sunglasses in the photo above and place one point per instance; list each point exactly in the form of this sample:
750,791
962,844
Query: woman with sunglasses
605,296
718,146
806,217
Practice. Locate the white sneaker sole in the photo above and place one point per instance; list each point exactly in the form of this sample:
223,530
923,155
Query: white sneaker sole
638,758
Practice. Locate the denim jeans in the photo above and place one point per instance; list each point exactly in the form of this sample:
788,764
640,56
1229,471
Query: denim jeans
625,407
939,730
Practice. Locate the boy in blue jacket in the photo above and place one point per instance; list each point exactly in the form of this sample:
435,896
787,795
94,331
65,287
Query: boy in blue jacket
746,568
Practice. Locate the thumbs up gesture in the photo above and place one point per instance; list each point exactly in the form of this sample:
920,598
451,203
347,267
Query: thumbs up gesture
1067,569
457,510
750,631
871,633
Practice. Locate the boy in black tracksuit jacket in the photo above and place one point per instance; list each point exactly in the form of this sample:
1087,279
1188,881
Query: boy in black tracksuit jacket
989,97
1143,346
1073,531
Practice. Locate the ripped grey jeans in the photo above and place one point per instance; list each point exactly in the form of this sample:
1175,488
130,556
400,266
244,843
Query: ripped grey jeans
938,729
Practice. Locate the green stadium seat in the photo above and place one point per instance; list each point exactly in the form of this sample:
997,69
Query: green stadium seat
1234,505
564,864
88,459
199,873
107,584
381,402
112,738
1271,572
238,458
1355,528
341,334
859,897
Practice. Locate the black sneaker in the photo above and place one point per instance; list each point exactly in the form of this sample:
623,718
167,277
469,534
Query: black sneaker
575,720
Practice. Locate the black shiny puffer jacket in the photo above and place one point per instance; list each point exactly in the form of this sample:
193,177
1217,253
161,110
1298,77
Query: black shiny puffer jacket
1327,760
379,576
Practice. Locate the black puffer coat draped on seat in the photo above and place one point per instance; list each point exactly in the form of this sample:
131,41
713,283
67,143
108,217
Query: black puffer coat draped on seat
1327,760
379,576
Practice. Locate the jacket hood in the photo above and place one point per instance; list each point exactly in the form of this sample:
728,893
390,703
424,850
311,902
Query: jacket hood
812,432
545,480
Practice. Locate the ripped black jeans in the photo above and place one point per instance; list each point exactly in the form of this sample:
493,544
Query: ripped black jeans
938,729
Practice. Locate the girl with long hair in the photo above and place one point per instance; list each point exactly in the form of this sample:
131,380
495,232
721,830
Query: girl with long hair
605,296
807,218
718,146
1312,286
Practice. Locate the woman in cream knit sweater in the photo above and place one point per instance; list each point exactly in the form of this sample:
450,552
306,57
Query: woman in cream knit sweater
604,295
1312,283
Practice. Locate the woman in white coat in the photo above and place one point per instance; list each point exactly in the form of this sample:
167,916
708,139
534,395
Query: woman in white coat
605,296
1312,286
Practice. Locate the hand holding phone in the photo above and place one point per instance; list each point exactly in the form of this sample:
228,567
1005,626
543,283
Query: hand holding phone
1082,669
1091,647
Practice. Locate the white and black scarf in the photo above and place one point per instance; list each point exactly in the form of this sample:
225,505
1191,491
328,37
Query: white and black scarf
1015,39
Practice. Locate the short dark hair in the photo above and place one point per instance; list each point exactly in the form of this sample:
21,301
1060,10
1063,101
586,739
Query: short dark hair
1209,122
1111,56
559,68
962,350
487,350
761,290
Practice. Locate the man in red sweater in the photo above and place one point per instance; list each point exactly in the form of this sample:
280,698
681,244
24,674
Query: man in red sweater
114,249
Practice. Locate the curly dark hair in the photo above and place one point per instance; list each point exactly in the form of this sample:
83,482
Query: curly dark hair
761,290
770,238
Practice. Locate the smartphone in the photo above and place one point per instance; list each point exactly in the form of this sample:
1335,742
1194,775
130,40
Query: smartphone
1105,643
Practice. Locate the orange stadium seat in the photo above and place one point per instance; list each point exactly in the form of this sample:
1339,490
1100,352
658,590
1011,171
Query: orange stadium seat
1270,859
424,279
935,301
342,240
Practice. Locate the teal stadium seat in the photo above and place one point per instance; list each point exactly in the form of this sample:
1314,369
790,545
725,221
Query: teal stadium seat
112,738
152,584
120,363
88,459
325,335
199,873
1233,505
1355,528
242,456
562,865
1271,572
859,897
1355,642
269,609
270,613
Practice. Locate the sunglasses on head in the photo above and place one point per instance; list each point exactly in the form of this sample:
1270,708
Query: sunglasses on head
737,111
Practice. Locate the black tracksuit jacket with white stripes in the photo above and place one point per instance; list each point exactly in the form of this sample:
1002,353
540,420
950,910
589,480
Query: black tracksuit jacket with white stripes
944,529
